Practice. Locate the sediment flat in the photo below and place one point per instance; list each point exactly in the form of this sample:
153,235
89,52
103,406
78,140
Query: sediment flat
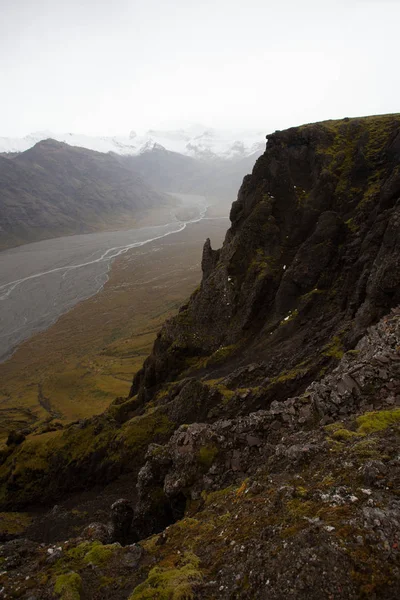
42,280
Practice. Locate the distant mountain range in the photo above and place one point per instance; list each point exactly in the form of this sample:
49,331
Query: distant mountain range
173,172
55,189
195,141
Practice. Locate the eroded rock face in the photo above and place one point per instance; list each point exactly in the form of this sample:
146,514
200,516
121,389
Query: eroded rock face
209,258
283,502
208,457
311,255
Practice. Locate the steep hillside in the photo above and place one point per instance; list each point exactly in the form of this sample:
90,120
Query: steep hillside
263,431
310,261
174,172
54,189
169,171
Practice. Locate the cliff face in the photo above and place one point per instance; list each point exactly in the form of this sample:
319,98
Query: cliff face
310,261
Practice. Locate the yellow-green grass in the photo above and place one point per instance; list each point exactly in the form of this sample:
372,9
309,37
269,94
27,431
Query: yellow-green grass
14,523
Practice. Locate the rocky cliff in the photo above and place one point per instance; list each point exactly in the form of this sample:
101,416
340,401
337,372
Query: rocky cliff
310,261
263,431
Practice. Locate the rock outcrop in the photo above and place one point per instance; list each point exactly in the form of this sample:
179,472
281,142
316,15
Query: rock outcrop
208,457
310,261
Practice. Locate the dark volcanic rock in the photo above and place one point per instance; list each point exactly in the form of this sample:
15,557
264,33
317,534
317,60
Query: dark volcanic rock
121,519
310,261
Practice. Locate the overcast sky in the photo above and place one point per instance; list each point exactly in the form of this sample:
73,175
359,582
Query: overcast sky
109,66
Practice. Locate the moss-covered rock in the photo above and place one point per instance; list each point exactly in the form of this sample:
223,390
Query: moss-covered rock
378,421
13,523
174,583
68,586
97,449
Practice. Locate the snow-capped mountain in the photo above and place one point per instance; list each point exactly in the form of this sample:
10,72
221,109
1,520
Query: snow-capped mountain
196,141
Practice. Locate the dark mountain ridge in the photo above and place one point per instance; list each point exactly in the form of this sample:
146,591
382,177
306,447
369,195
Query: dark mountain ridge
55,189
263,430
173,172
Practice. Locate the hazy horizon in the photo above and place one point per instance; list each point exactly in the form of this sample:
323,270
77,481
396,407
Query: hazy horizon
99,69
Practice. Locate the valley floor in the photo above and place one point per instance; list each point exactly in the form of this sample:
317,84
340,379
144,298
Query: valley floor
78,366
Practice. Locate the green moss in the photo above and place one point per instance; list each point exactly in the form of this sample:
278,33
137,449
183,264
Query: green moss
207,455
221,354
226,393
262,264
211,497
14,523
301,491
327,482
333,427
79,552
86,553
379,129
106,582
140,431
351,225
298,507
120,411
336,447
68,586
312,294
187,523
213,382
98,554
174,583
344,434
340,150
378,421
36,466
184,318
372,192
164,392
352,352
366,448
299,371
334,349
338,432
